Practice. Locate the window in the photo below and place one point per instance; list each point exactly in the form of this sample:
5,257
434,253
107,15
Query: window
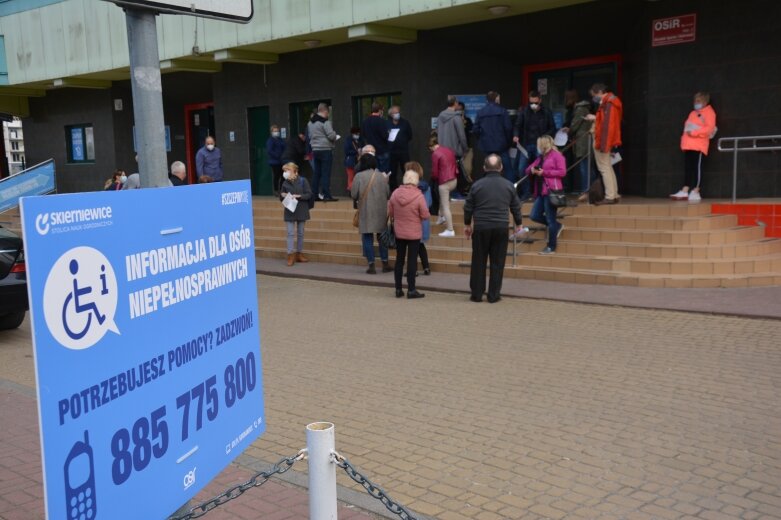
14,145
15,157
362,105
80,141
13,134
301,112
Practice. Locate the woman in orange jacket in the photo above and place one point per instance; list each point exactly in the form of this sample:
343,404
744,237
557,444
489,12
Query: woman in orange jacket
698,130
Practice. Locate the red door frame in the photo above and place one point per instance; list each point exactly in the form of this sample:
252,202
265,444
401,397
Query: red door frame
188,110
528,70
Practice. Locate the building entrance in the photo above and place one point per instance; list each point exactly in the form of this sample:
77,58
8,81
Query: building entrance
554,79
198,125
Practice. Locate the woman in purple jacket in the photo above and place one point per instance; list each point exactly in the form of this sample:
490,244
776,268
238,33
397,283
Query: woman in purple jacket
546,173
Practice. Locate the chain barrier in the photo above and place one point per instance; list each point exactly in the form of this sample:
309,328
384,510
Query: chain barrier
236,491
371,488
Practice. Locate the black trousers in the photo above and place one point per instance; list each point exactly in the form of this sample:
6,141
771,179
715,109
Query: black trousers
491,245
397,161
406,249
693,168
276,175
423,253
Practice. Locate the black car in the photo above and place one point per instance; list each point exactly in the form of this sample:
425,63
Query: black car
13,280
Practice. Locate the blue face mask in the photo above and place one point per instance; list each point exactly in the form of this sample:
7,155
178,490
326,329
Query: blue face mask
597,99
539,152
698,106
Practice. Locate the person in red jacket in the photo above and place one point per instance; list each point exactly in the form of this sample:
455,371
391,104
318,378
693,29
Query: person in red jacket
444,173
698,130
607,136
407,207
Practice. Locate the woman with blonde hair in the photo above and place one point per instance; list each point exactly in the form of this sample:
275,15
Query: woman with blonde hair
546,173
298,187
407,209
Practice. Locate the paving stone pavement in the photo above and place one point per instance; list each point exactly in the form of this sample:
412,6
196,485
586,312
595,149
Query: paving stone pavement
524,409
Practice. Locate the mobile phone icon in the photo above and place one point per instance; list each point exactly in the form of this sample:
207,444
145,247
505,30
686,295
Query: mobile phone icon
80,500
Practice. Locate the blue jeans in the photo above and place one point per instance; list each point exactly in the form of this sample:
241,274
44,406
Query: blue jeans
383,162
295,228
323,160
583,169
523,162
367,241
543,212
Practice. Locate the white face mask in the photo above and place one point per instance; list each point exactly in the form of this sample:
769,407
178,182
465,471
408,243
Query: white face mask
534,106
210,147
396,116
123,179
286,175
274,134
356,136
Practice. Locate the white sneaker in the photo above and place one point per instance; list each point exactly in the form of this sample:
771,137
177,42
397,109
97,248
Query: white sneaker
448,233
681,195
695,197
441,220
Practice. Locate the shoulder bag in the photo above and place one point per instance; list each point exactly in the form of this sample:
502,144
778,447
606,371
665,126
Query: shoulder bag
357,215
388,236
557,198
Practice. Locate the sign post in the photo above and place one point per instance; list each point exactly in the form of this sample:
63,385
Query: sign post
146,342
147,89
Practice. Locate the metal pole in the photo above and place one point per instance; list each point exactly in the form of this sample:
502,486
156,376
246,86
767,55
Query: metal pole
147,97
321,444
735,172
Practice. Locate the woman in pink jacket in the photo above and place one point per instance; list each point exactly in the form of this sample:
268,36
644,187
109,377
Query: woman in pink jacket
408,209
546,173
699,129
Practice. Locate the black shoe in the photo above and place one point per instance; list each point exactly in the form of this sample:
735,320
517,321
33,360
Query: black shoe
494,300
330,199
399,293
386,267
427,271
371,269
411,295
476,299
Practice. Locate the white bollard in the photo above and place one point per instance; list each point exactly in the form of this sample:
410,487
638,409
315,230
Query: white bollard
321,443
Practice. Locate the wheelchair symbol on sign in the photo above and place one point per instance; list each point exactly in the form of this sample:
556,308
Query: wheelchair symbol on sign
76,298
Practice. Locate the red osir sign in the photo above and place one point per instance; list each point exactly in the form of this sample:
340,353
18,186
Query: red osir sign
674,30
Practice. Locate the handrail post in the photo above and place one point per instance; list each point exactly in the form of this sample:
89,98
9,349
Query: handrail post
320,444
735,172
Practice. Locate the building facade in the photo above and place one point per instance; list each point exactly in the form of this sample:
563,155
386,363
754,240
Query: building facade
13,136
67,75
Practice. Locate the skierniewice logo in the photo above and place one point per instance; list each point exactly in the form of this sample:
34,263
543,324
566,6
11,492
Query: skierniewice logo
80,298
42,223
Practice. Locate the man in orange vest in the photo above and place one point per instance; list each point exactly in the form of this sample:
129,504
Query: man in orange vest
607,136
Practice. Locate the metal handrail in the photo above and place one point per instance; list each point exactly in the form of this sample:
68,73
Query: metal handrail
733,144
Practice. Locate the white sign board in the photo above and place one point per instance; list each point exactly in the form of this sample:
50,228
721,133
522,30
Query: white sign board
230,10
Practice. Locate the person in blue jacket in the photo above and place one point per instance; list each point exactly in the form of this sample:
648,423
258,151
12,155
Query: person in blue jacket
494,132
275,148
424,188
352,149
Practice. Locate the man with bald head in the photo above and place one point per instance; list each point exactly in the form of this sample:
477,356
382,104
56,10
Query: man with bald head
489,203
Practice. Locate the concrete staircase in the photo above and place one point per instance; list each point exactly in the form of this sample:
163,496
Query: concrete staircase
637,243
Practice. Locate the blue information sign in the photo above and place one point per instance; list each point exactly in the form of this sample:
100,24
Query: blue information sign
77,144
37,180
146,340
472,104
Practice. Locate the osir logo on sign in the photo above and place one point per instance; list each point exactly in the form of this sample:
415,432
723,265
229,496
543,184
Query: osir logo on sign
80,298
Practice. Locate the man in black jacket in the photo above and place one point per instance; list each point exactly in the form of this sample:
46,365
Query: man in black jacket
374,130
489,201
533,121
